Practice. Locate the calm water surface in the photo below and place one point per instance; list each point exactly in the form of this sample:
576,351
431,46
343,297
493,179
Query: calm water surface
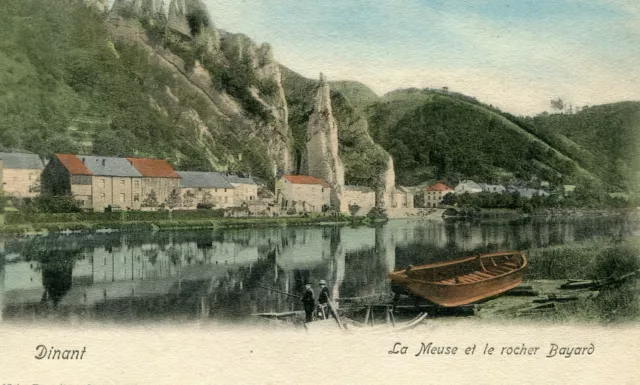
222,274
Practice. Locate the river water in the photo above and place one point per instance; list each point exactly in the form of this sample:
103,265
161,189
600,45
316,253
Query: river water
130,277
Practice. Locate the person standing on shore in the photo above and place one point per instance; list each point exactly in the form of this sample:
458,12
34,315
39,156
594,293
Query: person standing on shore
308,302
323,298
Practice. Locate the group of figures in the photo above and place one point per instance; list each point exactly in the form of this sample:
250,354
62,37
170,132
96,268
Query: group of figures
309,301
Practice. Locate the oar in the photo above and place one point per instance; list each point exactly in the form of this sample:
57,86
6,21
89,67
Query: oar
278,291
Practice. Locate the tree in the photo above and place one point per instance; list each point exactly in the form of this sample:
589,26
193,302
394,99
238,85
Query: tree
557,104
151,200
207,197
198,20
449,199
189,198
174,199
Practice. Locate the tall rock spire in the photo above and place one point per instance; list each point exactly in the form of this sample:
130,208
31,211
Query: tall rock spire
177,17
386,189
322,158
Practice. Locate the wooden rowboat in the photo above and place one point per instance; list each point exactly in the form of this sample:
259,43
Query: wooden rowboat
463,281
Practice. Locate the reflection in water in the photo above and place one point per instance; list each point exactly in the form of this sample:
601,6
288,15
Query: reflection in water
161,275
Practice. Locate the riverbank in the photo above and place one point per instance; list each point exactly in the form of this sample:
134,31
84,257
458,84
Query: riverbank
180,224
504,213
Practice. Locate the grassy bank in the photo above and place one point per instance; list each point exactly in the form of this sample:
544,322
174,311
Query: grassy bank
506,213
179,224
597,259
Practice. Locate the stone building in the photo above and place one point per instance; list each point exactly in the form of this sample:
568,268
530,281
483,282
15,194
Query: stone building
358,196
303,193
160,182
96,182
468,186
21,174
402,198
434,194
205,187
492,188
245,188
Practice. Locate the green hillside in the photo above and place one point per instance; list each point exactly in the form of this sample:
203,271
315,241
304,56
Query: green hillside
604,139
67,85
60,75
359,95
78,81
435,134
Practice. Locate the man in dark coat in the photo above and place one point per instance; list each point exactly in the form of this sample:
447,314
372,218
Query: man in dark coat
323,298
308,302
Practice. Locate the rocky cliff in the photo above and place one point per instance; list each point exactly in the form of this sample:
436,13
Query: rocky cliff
365,162
322,158
242,114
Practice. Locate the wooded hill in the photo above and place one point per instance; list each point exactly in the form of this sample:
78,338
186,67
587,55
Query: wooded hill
73,80
435,134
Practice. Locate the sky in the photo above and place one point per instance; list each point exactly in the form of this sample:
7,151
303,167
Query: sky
516,55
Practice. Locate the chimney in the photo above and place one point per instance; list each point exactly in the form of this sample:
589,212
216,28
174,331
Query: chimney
83,159
103,161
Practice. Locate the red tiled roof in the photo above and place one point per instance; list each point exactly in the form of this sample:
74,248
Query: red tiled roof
73,164
439,186
306,179
154,168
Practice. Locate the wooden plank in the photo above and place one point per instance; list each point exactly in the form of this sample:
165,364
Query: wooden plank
277,315
556,298
335,314
579,285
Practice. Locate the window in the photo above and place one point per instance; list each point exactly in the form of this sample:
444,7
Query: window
122,198
102,196
136,197
226,199
121,182
136,184
216,190
101,183
225,190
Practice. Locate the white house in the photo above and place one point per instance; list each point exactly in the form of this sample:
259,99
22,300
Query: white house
468,186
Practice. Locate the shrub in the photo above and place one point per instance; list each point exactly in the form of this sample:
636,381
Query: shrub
198,20
198,214
377,212
51,204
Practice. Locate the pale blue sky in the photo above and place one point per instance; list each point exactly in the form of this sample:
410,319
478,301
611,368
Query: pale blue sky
516,54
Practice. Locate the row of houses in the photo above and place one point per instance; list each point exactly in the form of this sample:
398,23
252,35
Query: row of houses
434,194
312,194
97,182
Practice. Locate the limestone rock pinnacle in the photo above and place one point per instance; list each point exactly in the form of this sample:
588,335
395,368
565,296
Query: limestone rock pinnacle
323,159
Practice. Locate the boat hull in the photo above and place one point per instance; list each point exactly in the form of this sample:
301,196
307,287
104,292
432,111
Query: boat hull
461,293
